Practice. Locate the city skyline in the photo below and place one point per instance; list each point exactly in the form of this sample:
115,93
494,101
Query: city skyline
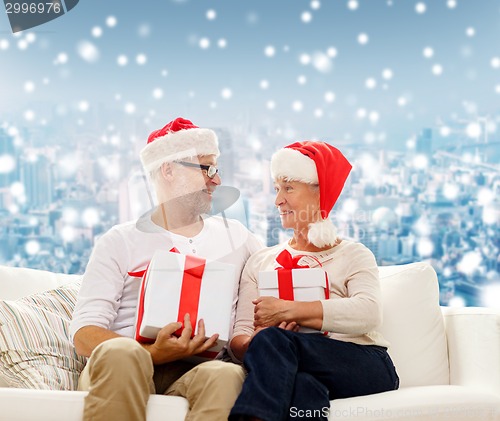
423,204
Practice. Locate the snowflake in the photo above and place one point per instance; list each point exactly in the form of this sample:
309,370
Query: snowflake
111,21
437,69
331,52
157,93
29,86
428,52
129,108
141,59
83,106
96,31
451,4
306,17
204,43
297,106
352,4
420,8
315,4
7,164
226,93
363,38
270,51
211,14
370,83
387,74
122,60
88,51
329,96
473,130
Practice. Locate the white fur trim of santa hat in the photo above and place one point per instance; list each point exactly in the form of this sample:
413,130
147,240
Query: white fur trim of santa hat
292,165
181,144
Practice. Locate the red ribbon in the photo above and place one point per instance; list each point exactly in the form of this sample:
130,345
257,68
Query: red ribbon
190,291
189,298
285,280
140,309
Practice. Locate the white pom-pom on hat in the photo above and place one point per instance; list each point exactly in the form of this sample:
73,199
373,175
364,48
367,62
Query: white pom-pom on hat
322,233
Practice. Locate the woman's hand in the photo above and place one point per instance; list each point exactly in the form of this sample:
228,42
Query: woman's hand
289,326
270,311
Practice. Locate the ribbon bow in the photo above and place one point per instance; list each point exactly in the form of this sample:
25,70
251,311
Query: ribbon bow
286,261
285,279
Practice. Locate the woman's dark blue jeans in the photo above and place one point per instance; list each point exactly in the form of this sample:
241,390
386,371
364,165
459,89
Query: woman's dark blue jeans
293,375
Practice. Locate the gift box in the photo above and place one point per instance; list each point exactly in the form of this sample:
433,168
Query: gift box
294,282
176,284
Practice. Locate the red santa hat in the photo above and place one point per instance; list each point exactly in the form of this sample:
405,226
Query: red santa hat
315,163
179,139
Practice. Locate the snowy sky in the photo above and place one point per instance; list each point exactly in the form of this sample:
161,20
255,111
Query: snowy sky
373,71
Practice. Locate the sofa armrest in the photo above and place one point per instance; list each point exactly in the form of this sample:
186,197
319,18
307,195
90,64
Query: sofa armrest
473,335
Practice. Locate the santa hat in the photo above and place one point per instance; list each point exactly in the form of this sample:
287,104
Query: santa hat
179,139
315,163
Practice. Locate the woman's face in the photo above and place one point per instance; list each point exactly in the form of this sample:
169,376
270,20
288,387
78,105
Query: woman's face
298,203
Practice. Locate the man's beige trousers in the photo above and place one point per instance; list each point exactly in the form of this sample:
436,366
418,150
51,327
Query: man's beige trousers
120,376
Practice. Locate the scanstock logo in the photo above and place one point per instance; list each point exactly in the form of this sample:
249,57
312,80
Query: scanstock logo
26,14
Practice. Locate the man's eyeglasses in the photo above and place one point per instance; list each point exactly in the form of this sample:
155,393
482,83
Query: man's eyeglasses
209,170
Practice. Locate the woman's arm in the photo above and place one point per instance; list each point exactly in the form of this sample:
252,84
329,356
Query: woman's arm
355,306
270,311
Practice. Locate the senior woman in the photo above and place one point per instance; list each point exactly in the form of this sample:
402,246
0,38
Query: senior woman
291,374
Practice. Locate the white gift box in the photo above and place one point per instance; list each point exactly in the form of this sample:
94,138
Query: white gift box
308,285
165,288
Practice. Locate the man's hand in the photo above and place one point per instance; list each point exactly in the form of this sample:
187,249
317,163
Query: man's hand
168,347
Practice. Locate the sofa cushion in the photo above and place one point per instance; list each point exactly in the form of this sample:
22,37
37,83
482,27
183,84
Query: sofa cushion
413,324
428,403
35,350
19,282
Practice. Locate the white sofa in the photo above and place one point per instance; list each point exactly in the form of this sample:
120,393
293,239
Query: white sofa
448,359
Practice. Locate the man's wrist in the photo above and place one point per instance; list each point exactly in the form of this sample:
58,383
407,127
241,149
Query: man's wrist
150,348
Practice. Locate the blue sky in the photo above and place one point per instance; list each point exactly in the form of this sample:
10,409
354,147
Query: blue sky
297,66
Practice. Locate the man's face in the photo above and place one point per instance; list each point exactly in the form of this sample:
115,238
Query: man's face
192,185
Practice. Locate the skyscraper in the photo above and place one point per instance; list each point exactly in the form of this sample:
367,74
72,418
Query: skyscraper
424,143
38,179
9,169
